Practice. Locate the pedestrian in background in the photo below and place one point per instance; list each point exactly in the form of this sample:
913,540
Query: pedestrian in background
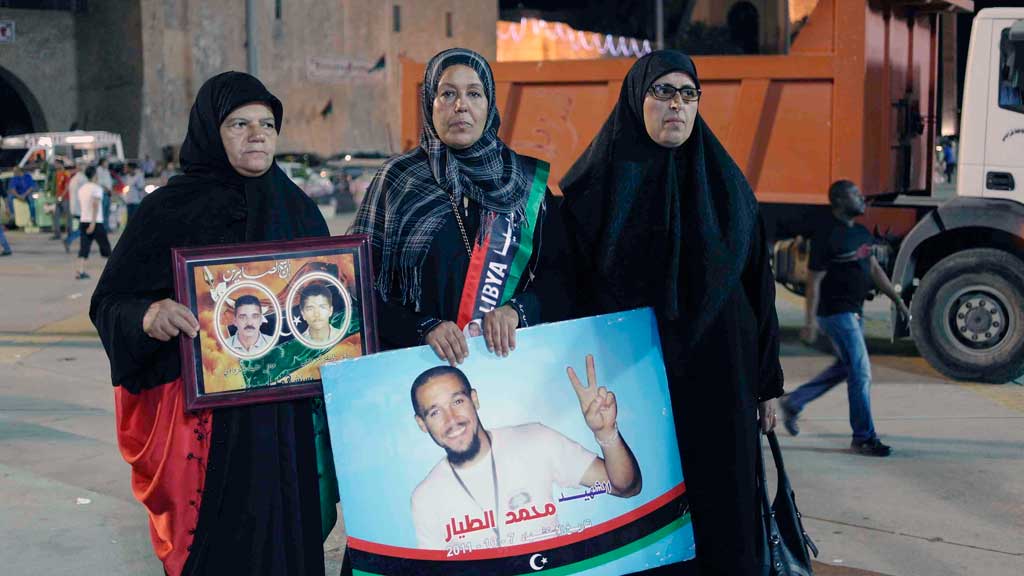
21,186
61,176
90,199
74,208
949,159
343,195
106,182
843,270
3,242
170,170
136,183
148,167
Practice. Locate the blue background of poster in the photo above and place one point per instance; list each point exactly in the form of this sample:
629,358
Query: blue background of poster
381,454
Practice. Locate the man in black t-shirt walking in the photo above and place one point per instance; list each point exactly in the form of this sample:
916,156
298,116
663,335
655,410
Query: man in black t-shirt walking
843,270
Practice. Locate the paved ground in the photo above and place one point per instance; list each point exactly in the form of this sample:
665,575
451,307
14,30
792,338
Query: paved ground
950,501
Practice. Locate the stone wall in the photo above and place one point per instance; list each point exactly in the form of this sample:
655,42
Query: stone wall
134,66
41,65
184,43
108,42
423,34
334,64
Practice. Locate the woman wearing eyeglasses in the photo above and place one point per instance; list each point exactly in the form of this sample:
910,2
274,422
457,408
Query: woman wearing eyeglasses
659,215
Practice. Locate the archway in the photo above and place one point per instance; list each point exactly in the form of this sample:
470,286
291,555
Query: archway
22,112
745,27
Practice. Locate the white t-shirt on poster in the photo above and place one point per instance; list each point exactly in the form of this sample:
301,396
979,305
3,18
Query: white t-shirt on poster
86,194
529,459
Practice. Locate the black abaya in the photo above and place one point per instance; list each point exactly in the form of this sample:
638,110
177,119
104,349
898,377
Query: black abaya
715,391
259,508
677,229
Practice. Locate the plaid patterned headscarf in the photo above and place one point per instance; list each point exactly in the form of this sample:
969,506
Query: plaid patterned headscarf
411,195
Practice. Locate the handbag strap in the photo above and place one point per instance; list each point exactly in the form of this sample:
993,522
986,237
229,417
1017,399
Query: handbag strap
784,486
766,502
780,467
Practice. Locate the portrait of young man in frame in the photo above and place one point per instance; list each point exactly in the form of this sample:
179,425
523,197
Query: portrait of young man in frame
271,315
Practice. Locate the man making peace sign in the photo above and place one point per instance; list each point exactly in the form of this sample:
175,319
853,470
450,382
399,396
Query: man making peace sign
500,479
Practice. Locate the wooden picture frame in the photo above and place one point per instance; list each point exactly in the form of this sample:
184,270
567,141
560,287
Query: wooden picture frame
305,303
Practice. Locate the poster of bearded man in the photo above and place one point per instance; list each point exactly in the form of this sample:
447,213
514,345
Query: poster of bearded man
562,455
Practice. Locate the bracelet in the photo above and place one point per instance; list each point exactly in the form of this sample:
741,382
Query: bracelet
520,312
425,326
607,443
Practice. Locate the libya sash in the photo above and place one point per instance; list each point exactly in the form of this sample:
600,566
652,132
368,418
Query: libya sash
498,263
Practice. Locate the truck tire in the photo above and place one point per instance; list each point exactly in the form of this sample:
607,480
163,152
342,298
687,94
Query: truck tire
968,316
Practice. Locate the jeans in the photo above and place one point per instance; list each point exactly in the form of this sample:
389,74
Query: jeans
73,232
31,206
58,216
106,206
3,240
846,331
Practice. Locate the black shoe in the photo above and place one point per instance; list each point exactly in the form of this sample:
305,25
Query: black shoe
789,418
6,253
82,276
873,447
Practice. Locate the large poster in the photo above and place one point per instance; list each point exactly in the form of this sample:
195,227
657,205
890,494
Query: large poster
560,458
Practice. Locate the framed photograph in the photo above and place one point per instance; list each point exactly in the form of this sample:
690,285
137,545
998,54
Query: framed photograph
270,315
511,465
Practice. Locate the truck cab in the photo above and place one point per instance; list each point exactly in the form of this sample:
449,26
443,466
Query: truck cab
992,125
962,266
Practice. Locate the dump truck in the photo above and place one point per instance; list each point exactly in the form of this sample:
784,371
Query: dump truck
855,97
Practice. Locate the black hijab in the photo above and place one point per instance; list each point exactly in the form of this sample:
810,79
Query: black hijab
276,209
662,227
210,204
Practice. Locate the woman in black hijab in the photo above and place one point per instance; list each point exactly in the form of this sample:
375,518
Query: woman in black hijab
439,215
659,215
233,490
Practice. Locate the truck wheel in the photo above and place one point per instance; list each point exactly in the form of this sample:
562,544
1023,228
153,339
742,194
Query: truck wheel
969,316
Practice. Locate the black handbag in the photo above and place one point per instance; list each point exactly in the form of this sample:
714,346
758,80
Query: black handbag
786,542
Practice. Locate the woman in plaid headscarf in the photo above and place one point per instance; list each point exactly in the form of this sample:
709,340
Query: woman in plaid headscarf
464,241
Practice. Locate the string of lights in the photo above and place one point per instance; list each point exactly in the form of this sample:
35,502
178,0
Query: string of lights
603,44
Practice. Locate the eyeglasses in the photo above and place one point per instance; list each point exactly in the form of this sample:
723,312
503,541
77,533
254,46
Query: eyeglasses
668,92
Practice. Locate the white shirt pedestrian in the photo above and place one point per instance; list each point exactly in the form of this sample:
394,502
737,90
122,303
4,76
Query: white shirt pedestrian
73,186
87,194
